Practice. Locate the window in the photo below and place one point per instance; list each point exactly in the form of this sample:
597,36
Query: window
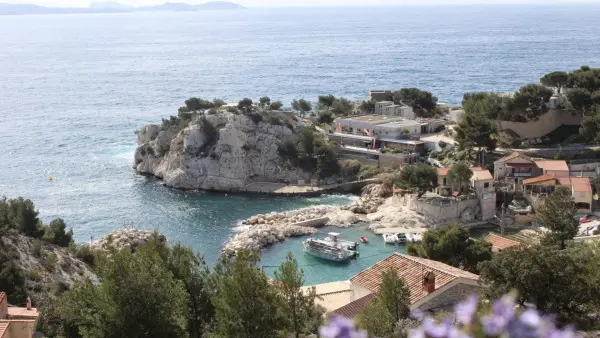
444,181
486,185
581,194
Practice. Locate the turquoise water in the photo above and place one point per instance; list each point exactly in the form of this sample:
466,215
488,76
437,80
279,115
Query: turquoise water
73,88
319,271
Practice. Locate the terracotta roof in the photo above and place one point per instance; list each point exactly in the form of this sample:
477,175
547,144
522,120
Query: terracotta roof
566,181
500,242
552,165
581,184
443,171
411,269
3,328
353,309
482,174
512,156
539,179
22,313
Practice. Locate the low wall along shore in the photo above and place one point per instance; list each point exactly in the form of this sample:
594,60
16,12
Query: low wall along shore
544,125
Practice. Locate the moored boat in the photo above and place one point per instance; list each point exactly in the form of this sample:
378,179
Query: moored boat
364,239
401,238
329,249
390,238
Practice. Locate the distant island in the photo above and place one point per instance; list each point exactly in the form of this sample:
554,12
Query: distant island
114,7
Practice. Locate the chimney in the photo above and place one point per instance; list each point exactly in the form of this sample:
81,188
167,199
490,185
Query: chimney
428,282
28,303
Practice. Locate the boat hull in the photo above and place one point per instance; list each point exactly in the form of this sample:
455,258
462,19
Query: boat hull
338,256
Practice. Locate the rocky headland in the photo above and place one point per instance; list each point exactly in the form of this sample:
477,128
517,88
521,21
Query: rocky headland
127,238
221,151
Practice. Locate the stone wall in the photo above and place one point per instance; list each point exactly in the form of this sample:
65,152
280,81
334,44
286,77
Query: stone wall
448,298
542,126
445,211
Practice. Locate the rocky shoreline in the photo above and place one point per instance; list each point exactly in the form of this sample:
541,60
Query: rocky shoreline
374,206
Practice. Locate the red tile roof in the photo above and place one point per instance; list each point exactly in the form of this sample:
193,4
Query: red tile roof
443,171
500,242
482,174
553,165
353,309
539,179
581,184
513,156
411,270
3,328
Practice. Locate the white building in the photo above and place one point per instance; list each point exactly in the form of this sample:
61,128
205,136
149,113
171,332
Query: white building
390,109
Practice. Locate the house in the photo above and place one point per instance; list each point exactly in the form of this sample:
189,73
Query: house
389,108
580,187
581,190
482,182
17,322
444,188
553,167
434,286
515,167
500,243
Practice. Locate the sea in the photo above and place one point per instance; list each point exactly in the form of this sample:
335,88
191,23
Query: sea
74,88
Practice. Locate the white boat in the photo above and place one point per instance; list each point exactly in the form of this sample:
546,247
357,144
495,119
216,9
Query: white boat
390,238
334,237
414,237
329,249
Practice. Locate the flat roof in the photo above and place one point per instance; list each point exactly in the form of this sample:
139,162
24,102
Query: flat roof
400,123
482,174
553,165
370,118
392,140
22,313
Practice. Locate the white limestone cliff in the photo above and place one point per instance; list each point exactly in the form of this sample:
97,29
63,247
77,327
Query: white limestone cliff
245,152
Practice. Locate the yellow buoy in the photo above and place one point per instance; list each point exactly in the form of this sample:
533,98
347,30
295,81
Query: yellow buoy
50,178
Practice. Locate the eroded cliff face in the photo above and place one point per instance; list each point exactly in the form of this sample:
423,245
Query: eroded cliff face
245,152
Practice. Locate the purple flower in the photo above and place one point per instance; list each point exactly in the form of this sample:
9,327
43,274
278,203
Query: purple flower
465,311
417,314
504,307
433,330
494,325
417,333
567,332
340,327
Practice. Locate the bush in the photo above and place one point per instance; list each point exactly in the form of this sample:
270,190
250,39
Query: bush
325,117
209,130
49,262
212,111
232,109
85,254
55,233
350,169
276,105
37,248
257,118
33,275
274,120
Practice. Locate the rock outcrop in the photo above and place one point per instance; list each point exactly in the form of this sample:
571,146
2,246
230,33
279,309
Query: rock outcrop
126,238
47,268
244,152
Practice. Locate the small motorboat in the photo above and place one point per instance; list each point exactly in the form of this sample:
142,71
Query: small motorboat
401,238
364,239
390,238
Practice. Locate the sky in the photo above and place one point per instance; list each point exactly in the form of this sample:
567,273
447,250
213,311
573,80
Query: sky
295,3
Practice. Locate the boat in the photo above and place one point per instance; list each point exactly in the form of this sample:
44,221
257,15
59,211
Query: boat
328,249
390,239
414,237
401,238
364,239
334,237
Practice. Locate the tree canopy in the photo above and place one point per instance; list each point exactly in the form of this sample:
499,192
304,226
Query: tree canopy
559,282
325,101
419,177
580,99
452,245
531,101
459,177
391,305
367,106
299,309
264,101
196,104
423,102
555,79
311,152
558,214
476,130
303,106
276,105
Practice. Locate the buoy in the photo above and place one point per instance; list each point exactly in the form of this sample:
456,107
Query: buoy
50,178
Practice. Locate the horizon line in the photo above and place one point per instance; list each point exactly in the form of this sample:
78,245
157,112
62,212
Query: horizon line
558,2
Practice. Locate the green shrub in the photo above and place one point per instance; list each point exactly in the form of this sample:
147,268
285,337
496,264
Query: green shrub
37,248
33,275
85,254
211,133
55,233
274,120
232,109
49,262
257,118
